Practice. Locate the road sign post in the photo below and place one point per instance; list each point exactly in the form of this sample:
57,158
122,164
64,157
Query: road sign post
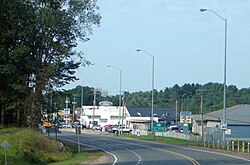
5,145
159,127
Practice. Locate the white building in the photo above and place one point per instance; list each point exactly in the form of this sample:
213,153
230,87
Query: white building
104,115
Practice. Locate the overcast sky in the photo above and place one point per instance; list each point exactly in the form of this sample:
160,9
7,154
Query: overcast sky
188,45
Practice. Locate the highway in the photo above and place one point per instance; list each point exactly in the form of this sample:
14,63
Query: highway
134,152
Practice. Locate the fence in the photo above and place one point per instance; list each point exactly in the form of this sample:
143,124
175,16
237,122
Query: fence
237,145
174,135
212,139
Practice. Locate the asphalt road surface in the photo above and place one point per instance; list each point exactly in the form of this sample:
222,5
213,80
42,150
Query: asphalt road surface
130,151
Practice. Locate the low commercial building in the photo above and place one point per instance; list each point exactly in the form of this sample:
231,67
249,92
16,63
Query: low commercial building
237,123
140,118
133,118
104,115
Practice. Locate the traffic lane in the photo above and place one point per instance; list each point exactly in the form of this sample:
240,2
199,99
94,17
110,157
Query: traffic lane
144,154
122,154
130,153
201,156
151,156
216,157
205,157
154,155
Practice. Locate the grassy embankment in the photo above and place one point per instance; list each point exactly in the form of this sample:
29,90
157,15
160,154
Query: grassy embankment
27,147
159,139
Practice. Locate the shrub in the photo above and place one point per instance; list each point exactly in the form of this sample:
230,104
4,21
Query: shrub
32,146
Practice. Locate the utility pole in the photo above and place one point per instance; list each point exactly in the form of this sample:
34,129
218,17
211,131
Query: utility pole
67,102
202,134
182,107
74,104
176,111
123,104
94,104
81,105
201,92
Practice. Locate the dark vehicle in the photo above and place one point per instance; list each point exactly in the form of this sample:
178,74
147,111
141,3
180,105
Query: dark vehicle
109,127
83,126
58,125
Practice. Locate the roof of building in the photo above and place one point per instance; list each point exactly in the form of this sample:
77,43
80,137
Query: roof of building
206,117
100,110
238,114
158,112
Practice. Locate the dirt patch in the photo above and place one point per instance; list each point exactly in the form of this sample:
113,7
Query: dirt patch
99,158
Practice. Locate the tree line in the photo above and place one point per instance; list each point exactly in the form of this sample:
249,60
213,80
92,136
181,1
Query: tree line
37,53
188,97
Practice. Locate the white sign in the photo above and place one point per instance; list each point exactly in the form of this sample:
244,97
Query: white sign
5,145
223,126
66,111
185,117
228,132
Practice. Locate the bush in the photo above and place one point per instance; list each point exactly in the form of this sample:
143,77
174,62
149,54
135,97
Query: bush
32,146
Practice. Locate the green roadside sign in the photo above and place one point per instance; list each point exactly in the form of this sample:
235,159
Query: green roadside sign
159,127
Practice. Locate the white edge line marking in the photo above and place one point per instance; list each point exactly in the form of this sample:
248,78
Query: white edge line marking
94,147
213,152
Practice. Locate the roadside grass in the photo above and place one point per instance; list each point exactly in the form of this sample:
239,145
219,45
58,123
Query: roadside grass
12,136
79,158
6,135
159,139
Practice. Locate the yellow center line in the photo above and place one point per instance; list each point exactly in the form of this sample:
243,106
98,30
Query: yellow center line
179,154
164,150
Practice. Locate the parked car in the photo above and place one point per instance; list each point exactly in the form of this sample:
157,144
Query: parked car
58,125
173,128
67,126
97,127
109,127
116,128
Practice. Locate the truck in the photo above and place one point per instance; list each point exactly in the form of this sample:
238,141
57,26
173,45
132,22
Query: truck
47,124
123,129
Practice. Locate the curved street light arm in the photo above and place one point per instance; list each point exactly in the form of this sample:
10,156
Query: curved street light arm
114,67
141,50
202,10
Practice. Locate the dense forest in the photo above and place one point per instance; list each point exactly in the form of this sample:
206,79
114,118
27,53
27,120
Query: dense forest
188,97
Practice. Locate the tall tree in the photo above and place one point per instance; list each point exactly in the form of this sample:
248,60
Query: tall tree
60,25
41,35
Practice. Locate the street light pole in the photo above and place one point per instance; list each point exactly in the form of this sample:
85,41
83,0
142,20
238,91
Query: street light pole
225,67
67,102
81,107
182,102
120,96
74,105
152,100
